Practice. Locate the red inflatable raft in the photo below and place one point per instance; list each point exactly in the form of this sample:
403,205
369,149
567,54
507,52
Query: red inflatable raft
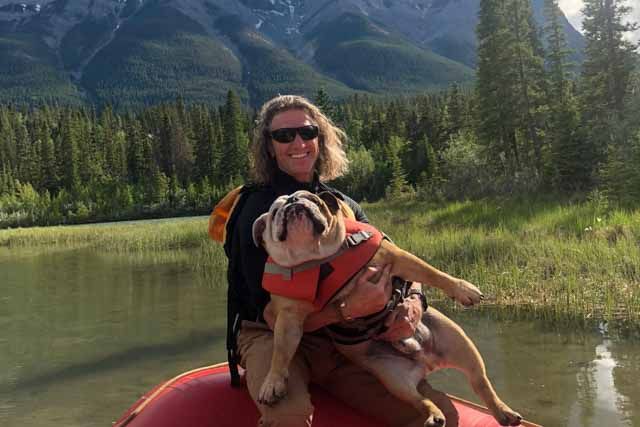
204,398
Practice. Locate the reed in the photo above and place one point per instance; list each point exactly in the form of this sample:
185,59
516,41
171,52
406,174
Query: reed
567,261
564,262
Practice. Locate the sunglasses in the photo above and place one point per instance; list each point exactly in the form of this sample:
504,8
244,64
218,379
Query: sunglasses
287,135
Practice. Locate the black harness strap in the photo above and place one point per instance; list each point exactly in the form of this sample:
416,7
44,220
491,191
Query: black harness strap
363,329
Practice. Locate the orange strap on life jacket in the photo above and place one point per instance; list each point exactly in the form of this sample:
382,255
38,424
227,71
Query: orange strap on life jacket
221,213
304,282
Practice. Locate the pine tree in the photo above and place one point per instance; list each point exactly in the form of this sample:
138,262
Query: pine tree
182,150
48,163
135,152
25,152
558,52
455,110
528,77
207,153
510,85
67,158
158,187
420,160
166,156
567,160
6,180
7,141
397,177
324,103
606,71
495,87
236,144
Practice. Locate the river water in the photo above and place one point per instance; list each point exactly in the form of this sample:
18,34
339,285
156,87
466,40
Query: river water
85,333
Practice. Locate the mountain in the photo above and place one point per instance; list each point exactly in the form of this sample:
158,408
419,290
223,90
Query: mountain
135,52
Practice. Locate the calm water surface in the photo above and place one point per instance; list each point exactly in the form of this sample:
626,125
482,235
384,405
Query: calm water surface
85,333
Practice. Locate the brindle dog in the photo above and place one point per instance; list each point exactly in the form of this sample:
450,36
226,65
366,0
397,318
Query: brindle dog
304,227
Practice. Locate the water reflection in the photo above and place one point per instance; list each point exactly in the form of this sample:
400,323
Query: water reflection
85,334
598,400
554,378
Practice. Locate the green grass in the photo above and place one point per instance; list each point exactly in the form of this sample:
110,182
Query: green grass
577,263
156,238
573,262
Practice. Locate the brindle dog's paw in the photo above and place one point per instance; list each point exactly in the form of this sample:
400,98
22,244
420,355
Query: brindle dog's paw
435,420
508,417
273,390
466,293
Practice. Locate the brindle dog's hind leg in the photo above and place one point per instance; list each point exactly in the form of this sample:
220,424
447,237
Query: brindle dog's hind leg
458,351
401,376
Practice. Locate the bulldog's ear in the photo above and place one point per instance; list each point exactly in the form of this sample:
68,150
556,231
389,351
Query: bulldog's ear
259,226
331,201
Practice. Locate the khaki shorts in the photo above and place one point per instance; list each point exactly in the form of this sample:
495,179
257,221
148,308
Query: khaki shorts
317,361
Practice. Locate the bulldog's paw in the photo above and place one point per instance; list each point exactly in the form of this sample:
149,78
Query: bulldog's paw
273,390
466,293
507,416
435,420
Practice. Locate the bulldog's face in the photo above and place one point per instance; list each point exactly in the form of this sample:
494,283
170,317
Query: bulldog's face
300,227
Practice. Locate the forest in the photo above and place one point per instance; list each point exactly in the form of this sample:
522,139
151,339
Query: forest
532,123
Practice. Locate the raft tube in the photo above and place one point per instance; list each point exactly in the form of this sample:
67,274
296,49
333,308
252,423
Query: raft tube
204,398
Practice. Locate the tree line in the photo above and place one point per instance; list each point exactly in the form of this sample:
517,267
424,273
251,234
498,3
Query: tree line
73,164
532,123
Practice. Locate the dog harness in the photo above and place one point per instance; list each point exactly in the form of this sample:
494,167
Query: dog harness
318,281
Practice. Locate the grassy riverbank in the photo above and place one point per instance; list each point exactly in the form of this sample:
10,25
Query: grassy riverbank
563,262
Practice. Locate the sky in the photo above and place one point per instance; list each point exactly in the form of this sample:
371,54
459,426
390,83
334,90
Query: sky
571,9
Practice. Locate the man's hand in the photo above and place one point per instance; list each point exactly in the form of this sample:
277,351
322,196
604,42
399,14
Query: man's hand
403,321
370,296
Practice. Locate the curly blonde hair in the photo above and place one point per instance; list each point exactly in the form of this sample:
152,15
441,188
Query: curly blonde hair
332,160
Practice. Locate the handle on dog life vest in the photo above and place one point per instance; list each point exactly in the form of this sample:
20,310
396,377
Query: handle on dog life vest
356,238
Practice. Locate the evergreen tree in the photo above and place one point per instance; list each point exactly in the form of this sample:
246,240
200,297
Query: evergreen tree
25,152
68,152
136,152
606,71
207,148
397,181
182,150
324,103
495,87
567,157
528,76
557,52
620,173
158,188
7,141
48,164
420,161
165,146
510,85
235,142
455,110
6,180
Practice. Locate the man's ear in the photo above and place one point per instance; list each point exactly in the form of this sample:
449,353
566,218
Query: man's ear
331,201
259,226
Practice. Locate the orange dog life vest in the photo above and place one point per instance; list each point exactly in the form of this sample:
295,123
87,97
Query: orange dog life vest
318,281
